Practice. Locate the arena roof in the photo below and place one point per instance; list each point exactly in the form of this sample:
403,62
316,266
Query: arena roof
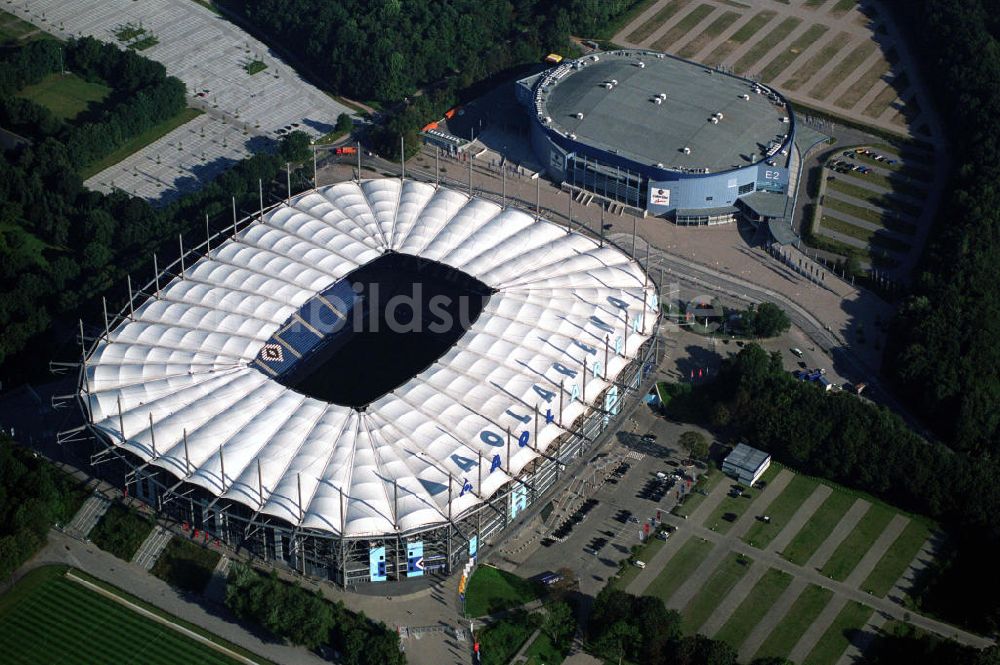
626,120
174,383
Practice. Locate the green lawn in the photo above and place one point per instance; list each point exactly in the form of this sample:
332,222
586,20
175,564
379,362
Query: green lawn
67,96
781,61
843,6
800,616
706,482
897,558
682,28
766,43
542,652
853,548
12,29
815,531
865,235
813,4
834,641
501,640
140,141
645,553
48,618
714,29
730,571
185,565
643,32
781,511
863,84
684,562
914,188
121,531
734,507
749,613
870,215
491,590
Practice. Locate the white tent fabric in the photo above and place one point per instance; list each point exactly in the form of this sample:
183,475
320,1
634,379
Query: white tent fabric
174,385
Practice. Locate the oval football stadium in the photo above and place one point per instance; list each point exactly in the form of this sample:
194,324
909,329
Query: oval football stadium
370,381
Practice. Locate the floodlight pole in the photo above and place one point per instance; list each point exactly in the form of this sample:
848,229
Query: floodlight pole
607,347
359,166
437,167
503,179
121,418
535,446
298,481
470,174
152,434
602,225
315,181
107,325
450,481
402,158
131,307
395,504
569,211
538,196
479,488
625,334
180,243
260,486
222,468
83,346
187,456
156,275
634,220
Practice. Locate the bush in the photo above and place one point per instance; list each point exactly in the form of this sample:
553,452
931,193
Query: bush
185,565
121,531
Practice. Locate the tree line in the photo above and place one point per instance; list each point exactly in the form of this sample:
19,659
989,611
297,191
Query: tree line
34,495
306,618
942,353
858,444
417,57
142,95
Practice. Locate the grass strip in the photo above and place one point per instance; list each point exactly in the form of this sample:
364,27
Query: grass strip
629,571
780,511
730,571
781,61
744,33
766,43
808,70
796,621
863,84
846,186
836,638
643,32
748,614
704,38
855,57
731,507
682,27
680,566
873,238
896,559
817,528
850,552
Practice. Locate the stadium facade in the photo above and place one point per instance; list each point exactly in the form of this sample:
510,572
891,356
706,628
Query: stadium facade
664,136
202,395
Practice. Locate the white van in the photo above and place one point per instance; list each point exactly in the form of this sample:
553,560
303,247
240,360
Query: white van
796,352
640,564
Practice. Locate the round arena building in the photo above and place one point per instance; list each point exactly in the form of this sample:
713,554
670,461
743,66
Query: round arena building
370,381
663,136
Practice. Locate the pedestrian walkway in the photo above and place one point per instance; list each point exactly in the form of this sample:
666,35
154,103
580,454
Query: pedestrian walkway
771,619
88,516
147,554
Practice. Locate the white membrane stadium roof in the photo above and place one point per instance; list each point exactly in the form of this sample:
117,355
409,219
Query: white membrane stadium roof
182,362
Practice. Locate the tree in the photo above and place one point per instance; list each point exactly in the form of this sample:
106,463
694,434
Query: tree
559,624
695,443
344,123
766,320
